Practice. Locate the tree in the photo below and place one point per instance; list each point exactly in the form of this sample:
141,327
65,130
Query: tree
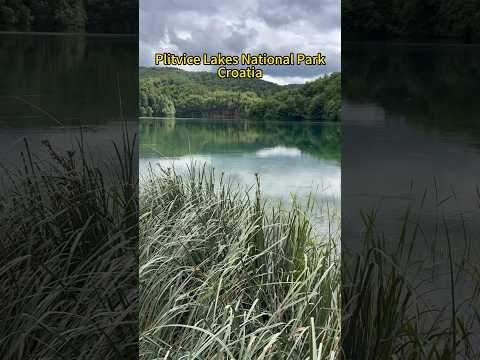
100,16
70,15
411,19
205,95
15,15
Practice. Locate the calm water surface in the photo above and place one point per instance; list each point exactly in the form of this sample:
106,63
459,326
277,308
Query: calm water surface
411,140
290,158
411,124
52,84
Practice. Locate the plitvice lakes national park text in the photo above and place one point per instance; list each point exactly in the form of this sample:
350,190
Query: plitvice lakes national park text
227,64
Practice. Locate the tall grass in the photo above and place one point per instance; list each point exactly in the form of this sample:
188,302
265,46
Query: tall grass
224,277
396,302
68,247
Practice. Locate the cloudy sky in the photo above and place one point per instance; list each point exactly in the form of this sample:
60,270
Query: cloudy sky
232,27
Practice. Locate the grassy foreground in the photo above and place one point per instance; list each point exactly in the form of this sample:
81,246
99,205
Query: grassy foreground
411,297
223,277
68,243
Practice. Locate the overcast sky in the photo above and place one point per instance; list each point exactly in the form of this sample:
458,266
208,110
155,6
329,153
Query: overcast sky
233,27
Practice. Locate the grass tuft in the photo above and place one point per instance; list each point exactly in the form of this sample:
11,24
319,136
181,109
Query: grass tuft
222,276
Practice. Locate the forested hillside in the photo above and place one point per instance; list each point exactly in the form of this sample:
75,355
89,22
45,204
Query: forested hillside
411,20
94,16
174,92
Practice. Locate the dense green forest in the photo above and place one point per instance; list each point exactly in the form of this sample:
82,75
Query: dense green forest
93,16
174,92
411,20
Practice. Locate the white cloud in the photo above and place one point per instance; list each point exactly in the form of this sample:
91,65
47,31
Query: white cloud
274,26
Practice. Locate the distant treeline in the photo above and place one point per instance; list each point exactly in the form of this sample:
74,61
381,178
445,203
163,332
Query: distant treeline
422,20
174,92
93,16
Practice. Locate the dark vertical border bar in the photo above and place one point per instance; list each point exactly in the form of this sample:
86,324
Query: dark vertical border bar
409,179
69,179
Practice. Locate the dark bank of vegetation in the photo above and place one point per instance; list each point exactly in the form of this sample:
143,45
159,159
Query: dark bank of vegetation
224,277
68,270
420,20
173,92
93,16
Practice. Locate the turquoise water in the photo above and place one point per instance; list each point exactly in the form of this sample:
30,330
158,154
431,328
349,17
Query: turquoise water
291,159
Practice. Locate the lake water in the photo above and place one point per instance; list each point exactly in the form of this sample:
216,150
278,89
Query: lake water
411,123
411,139
52,84
300,159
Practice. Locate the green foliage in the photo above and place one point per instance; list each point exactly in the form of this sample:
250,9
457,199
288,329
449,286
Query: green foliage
70,15
15,15
202,94
411,19
154,101
112,16
97,16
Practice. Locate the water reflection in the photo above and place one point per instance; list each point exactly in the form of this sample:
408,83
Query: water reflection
411,147
50,85
409,126
286,161
76,79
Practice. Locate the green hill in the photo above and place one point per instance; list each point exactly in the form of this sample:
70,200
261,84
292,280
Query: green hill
174,92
